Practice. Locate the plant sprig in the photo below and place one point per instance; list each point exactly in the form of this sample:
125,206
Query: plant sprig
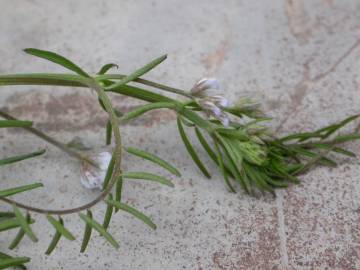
246,153
114,175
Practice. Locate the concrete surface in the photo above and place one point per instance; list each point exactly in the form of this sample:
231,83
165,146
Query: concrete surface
300,58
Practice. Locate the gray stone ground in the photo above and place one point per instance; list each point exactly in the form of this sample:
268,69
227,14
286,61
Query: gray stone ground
300,58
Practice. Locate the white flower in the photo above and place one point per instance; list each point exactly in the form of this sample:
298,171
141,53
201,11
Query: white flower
204,84
212,110
92,177
210,107
219,101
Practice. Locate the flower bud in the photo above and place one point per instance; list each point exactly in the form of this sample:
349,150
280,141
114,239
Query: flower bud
210,107
204,84
220,101
91,176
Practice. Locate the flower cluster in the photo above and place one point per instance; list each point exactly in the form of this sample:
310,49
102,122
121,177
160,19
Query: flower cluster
213,105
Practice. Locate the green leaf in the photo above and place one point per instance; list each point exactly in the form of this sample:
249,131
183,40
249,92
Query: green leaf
235,163
148,176
9,224
20,235
145,108
14,123
108,213
109,172
7,261
151,157
346,138
100,229
344,152
55,240
222,168
216,157
118,190
108,132
119,184
12,191
206,146
322,133
301,136
257,177
59,226
43,79
291,168
106,67
333,128
275,183
58,59
334,149
139,93
136,213
239,134
87,233
17,239
21,157
136,74
187,122
24,224
323,160
6,215
102,104
60,231
191,149
193,117
210,151
279,170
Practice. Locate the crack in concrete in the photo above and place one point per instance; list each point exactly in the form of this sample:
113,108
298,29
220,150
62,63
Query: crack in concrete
282,230
298,21
302,87
214,60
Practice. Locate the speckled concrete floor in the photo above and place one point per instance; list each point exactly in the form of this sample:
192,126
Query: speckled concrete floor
300,58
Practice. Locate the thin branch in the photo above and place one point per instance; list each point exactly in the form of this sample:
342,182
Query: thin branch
117,167
52,141
146,82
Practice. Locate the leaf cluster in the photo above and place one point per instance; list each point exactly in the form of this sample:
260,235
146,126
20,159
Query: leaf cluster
246,152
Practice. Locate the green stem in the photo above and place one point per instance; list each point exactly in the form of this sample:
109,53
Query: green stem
78,81
146,82
58,79
43,79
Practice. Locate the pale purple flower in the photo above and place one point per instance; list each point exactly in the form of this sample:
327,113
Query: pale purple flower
93,177
210,107
219,101
212,110
203,85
